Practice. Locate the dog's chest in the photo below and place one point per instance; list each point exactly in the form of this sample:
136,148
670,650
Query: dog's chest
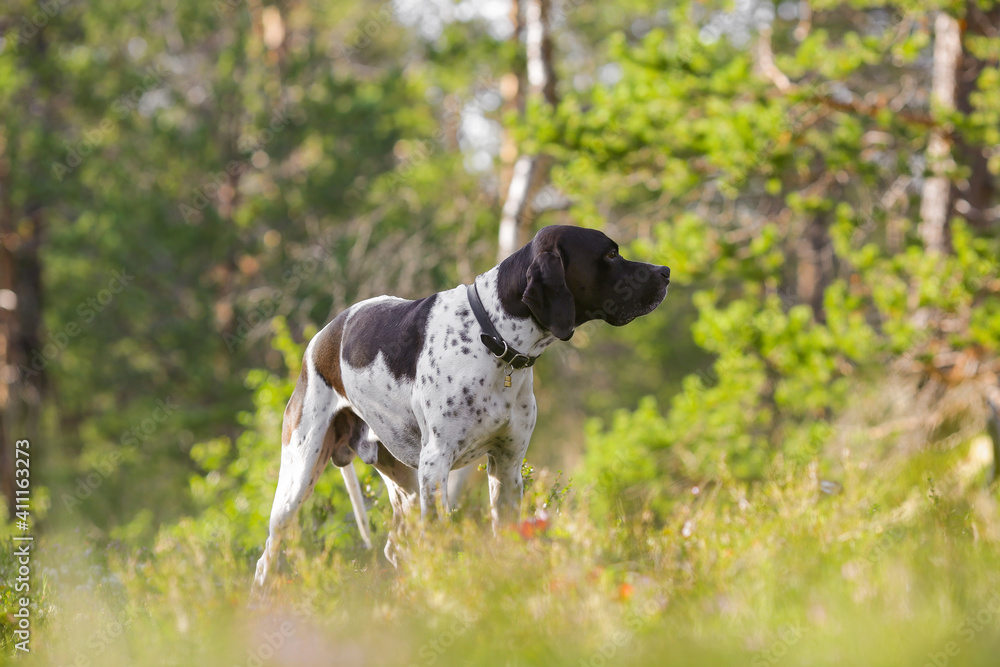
465,418
456,398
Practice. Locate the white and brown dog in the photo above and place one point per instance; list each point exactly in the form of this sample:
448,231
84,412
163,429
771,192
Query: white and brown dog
416,388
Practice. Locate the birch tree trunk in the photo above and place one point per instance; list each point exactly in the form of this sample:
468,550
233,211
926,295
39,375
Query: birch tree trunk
530,171
936,197
512,85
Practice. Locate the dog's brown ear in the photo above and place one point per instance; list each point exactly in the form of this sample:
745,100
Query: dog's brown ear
548,296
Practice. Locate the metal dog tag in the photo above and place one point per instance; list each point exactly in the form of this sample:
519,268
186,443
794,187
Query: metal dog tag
506,376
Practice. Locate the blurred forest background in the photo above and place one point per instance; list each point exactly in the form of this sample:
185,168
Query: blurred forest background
189,190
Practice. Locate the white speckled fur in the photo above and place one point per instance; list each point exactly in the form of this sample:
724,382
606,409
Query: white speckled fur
455,411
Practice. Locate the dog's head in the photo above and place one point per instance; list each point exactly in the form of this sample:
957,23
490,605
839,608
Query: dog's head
575,275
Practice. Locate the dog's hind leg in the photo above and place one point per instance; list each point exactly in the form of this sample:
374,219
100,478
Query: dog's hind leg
401,483
296,478
308,440
357,502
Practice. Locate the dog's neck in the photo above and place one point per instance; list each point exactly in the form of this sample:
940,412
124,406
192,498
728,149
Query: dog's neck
519,329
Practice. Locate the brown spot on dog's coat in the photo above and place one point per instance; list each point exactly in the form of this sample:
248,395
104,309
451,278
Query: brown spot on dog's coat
395,329
326,353
293,411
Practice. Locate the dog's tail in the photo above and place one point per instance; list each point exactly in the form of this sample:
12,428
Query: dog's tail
357,501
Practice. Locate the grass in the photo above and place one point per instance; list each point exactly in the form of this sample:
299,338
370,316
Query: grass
898,565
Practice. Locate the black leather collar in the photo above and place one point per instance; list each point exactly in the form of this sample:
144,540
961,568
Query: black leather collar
491,338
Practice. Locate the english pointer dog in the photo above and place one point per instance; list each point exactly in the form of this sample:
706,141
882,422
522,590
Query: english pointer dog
416,388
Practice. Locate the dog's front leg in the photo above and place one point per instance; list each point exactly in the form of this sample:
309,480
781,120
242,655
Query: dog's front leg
435,464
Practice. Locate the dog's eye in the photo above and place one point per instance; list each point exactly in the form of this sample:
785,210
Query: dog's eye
612,253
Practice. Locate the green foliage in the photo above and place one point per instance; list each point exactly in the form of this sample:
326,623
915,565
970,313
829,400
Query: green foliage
232,183
738,574
781,446
692,123
621,459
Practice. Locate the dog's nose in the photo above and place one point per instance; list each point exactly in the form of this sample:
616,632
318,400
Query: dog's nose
665,272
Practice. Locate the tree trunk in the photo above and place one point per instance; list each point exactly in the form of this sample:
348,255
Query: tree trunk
814,254
530,171
992,396
8,332
936,199
538,43
512,94
22,366
972,198
20,323
523,183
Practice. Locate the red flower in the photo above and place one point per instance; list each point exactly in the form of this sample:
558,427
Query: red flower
534,526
